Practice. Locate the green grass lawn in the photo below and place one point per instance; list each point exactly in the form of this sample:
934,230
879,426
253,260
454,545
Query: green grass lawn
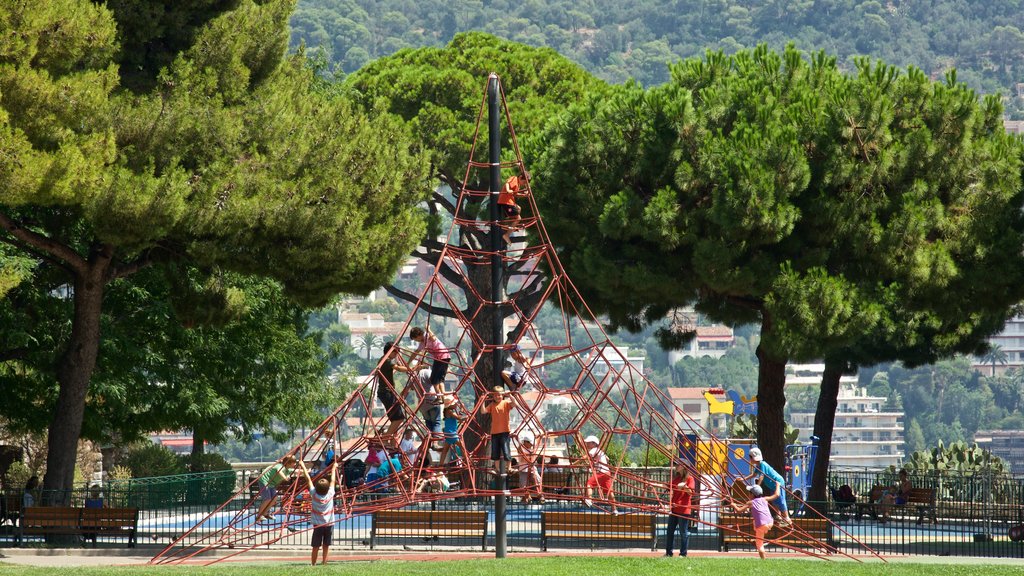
554,566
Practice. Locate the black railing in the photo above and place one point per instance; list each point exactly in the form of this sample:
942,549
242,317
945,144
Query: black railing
970,515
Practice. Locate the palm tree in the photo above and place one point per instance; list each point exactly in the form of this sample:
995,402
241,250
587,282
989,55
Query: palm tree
368,342
995,355
557,418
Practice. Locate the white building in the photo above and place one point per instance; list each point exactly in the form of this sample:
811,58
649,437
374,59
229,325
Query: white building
361,324
865,433
1011,340
710,341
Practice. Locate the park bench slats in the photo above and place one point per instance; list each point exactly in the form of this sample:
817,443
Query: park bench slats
921,499
75,521
805,533
589,526
429,524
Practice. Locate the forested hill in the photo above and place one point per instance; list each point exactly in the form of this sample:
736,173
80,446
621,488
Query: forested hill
619,39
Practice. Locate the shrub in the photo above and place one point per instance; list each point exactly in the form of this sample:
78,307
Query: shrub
17,475
149,460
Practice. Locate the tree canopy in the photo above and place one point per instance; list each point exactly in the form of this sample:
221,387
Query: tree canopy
238,158
618,40
741,183
438,90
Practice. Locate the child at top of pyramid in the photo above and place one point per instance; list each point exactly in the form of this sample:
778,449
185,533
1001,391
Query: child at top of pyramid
515,187
429,344
499,407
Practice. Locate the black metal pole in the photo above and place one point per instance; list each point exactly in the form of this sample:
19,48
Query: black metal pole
495,340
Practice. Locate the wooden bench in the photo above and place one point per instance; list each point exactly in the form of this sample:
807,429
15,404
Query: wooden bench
46,521
589,526
923,499
557,482
429,524
72,521
805,532
110,522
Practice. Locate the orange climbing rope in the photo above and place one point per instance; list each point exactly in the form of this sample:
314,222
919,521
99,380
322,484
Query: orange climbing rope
580,373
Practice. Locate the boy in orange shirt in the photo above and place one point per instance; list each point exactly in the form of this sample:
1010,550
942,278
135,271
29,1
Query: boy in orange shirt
499,407
515,187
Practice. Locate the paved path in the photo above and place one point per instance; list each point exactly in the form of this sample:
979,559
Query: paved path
59,558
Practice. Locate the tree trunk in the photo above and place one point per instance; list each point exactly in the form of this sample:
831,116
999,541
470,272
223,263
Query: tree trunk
824,423
479,276
771,403
198,451
74,371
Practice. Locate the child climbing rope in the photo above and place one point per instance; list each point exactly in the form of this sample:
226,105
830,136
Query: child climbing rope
771,482
387,392
499,407
453,416
429,344
515,373
270,478
515,187
601,477
760,514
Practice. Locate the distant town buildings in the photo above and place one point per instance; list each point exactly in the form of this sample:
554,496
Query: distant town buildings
1007,444
710,341
1011,341
866,434
692,402
361,324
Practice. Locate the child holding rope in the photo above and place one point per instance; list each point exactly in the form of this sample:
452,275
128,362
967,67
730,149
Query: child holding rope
321,511
429,344
761,515
515,187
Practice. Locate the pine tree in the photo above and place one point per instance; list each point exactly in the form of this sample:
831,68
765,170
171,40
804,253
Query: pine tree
231,156
838,211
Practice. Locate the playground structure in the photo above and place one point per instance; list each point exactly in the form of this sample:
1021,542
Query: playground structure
731,459
484,281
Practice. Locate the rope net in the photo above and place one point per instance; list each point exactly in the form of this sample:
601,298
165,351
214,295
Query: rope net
561,390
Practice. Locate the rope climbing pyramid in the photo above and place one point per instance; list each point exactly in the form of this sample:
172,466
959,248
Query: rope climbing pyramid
502,382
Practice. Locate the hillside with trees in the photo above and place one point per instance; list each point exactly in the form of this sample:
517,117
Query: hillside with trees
617,40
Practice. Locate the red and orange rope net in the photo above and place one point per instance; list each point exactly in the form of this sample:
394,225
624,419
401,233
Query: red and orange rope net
581,376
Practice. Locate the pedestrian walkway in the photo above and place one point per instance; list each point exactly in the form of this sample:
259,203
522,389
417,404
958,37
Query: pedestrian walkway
78,557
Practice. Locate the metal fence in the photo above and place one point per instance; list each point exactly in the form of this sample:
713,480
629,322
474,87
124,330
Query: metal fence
971,516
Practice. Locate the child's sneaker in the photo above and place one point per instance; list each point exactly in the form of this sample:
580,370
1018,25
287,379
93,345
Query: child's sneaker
588,502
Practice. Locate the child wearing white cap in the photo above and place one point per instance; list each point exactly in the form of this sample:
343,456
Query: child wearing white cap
771,483
530,460
601,478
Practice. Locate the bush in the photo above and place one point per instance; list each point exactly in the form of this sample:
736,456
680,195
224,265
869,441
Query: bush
150,460
207,463
17,475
